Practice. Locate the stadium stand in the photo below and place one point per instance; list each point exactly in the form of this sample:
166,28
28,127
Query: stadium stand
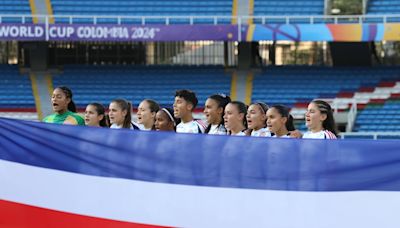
280,8
105,83
15,7
380,115
296,86
293,85
16,98
297,7
144,8
383,7
15,89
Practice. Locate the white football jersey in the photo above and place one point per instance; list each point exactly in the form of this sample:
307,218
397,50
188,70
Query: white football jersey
263,132
190,127
240,134
319,135
283,136
218,129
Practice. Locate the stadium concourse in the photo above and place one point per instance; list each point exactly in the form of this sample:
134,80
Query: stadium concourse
281,68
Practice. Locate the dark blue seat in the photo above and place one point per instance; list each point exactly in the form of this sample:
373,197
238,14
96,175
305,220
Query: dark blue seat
146,8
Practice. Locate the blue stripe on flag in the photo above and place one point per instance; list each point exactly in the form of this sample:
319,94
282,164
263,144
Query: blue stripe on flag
205,160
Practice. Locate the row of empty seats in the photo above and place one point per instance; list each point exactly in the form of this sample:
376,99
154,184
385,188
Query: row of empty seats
291,85
171,8
379,117
15,89
383,7
288,7
15,7
144,8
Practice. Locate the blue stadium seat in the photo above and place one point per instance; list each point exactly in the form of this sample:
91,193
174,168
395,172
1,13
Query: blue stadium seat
15,89
384,7
145,8
291,84
280,8
17,7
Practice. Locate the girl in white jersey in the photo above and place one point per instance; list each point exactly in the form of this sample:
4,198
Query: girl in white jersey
119,112
256,120
214,111
235,119
184,104
320,121
95,115
165,120
279,121
146,114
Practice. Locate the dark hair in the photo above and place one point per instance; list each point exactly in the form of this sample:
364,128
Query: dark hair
101,111
171,117
264,107
329,122
284,112
153,105
68,93
222,100
188,96
125,105
242,107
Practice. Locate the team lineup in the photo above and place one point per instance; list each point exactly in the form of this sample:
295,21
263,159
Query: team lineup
223,116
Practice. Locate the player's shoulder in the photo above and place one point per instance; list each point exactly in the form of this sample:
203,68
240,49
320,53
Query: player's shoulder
329,135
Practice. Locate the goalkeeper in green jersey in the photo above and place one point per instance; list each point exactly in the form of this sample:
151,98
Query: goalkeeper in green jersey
64,108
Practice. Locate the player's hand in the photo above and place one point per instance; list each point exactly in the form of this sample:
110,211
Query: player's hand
296,134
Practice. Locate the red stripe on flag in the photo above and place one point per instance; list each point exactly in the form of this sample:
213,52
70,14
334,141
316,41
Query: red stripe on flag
387,84
21,215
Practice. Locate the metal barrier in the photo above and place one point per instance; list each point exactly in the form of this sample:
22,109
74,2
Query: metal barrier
331,19
370,135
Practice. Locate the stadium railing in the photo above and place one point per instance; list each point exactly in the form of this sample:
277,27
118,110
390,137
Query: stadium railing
370,135
216,20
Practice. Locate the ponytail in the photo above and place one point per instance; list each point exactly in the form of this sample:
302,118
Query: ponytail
290,123
284,112
72,106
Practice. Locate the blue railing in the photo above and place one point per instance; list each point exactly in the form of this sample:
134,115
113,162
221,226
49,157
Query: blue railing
191,20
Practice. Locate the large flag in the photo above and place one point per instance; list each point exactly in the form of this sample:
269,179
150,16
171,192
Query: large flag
70,176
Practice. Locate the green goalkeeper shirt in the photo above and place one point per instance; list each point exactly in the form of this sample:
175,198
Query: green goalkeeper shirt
65,118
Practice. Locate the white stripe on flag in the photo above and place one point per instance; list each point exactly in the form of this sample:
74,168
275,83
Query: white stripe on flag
194,206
